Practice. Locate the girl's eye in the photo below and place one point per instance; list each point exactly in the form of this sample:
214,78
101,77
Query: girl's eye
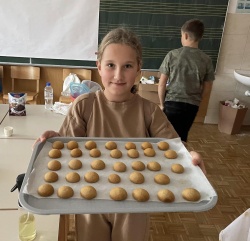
128,66
110,65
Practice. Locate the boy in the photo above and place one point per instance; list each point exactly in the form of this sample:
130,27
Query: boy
189,74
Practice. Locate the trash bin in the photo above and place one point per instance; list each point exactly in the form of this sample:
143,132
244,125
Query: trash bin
231,119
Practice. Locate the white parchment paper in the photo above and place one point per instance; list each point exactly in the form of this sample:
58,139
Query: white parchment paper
191,178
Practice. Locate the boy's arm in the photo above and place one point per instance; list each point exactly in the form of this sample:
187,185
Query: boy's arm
162,89
207,85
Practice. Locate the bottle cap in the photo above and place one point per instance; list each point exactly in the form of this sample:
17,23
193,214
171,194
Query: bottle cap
48,84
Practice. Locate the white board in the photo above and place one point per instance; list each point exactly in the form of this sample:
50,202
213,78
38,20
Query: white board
57,29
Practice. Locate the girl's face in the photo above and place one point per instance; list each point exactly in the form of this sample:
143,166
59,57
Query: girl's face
118,70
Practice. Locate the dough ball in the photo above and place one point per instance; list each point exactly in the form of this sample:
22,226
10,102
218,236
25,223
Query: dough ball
146,145
45,190
118,193
119,167
91,177
95,152
163,146
65,192
76,152
170,154
72,177
58,145
140,195
136,177
130,145
51,177
166,196
138,165
154,166
55,153
75,164
88,192
114,178
116,153
72,145
98,164
90,145
191,194
111,145
162,179
177,168
133,153
149,152
54,165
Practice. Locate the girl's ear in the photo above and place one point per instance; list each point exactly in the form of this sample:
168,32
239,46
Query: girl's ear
98,64
139,71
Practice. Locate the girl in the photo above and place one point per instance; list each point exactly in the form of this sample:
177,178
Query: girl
116,112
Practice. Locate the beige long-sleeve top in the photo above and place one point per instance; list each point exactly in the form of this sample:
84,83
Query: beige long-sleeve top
98,117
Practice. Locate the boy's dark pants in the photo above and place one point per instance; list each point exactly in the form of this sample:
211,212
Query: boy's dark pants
181,115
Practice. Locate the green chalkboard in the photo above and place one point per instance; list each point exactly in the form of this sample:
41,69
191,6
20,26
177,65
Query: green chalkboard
157,23
17,60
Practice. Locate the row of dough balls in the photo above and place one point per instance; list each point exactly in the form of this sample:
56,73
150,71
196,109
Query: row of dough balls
110,145
75,164
118,193
93,177
132,152
115,153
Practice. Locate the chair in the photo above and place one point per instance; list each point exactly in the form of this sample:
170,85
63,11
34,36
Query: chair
82,74
24,75
67,228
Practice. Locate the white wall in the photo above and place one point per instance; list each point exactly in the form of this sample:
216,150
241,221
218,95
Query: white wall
234,54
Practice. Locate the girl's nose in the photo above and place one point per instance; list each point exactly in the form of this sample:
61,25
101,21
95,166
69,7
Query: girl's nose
118,74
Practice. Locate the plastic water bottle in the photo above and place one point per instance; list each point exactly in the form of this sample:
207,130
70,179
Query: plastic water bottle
48,96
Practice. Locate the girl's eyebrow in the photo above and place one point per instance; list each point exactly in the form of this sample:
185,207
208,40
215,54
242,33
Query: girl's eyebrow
130,61
127,62
108,60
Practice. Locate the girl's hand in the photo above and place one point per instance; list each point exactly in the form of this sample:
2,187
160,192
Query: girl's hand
45,136
197,161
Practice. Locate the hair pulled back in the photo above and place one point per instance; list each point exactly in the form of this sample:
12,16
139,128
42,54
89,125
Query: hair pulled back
121,35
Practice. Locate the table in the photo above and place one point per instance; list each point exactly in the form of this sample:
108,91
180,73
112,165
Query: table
31,126
15,155
4,109
46,226
14,159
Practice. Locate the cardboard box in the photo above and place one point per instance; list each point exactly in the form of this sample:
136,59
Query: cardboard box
230,119
149,91
146,73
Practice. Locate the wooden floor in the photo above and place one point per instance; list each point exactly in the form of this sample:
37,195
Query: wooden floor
227,160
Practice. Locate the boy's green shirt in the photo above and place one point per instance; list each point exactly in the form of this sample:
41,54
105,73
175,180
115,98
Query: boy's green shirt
187,68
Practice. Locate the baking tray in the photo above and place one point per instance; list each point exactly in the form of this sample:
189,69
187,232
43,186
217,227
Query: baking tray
79,205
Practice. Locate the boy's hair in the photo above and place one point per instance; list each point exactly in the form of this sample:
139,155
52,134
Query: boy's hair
121,35
194,28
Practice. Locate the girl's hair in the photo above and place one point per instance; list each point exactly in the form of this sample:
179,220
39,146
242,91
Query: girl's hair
194,28
121,35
